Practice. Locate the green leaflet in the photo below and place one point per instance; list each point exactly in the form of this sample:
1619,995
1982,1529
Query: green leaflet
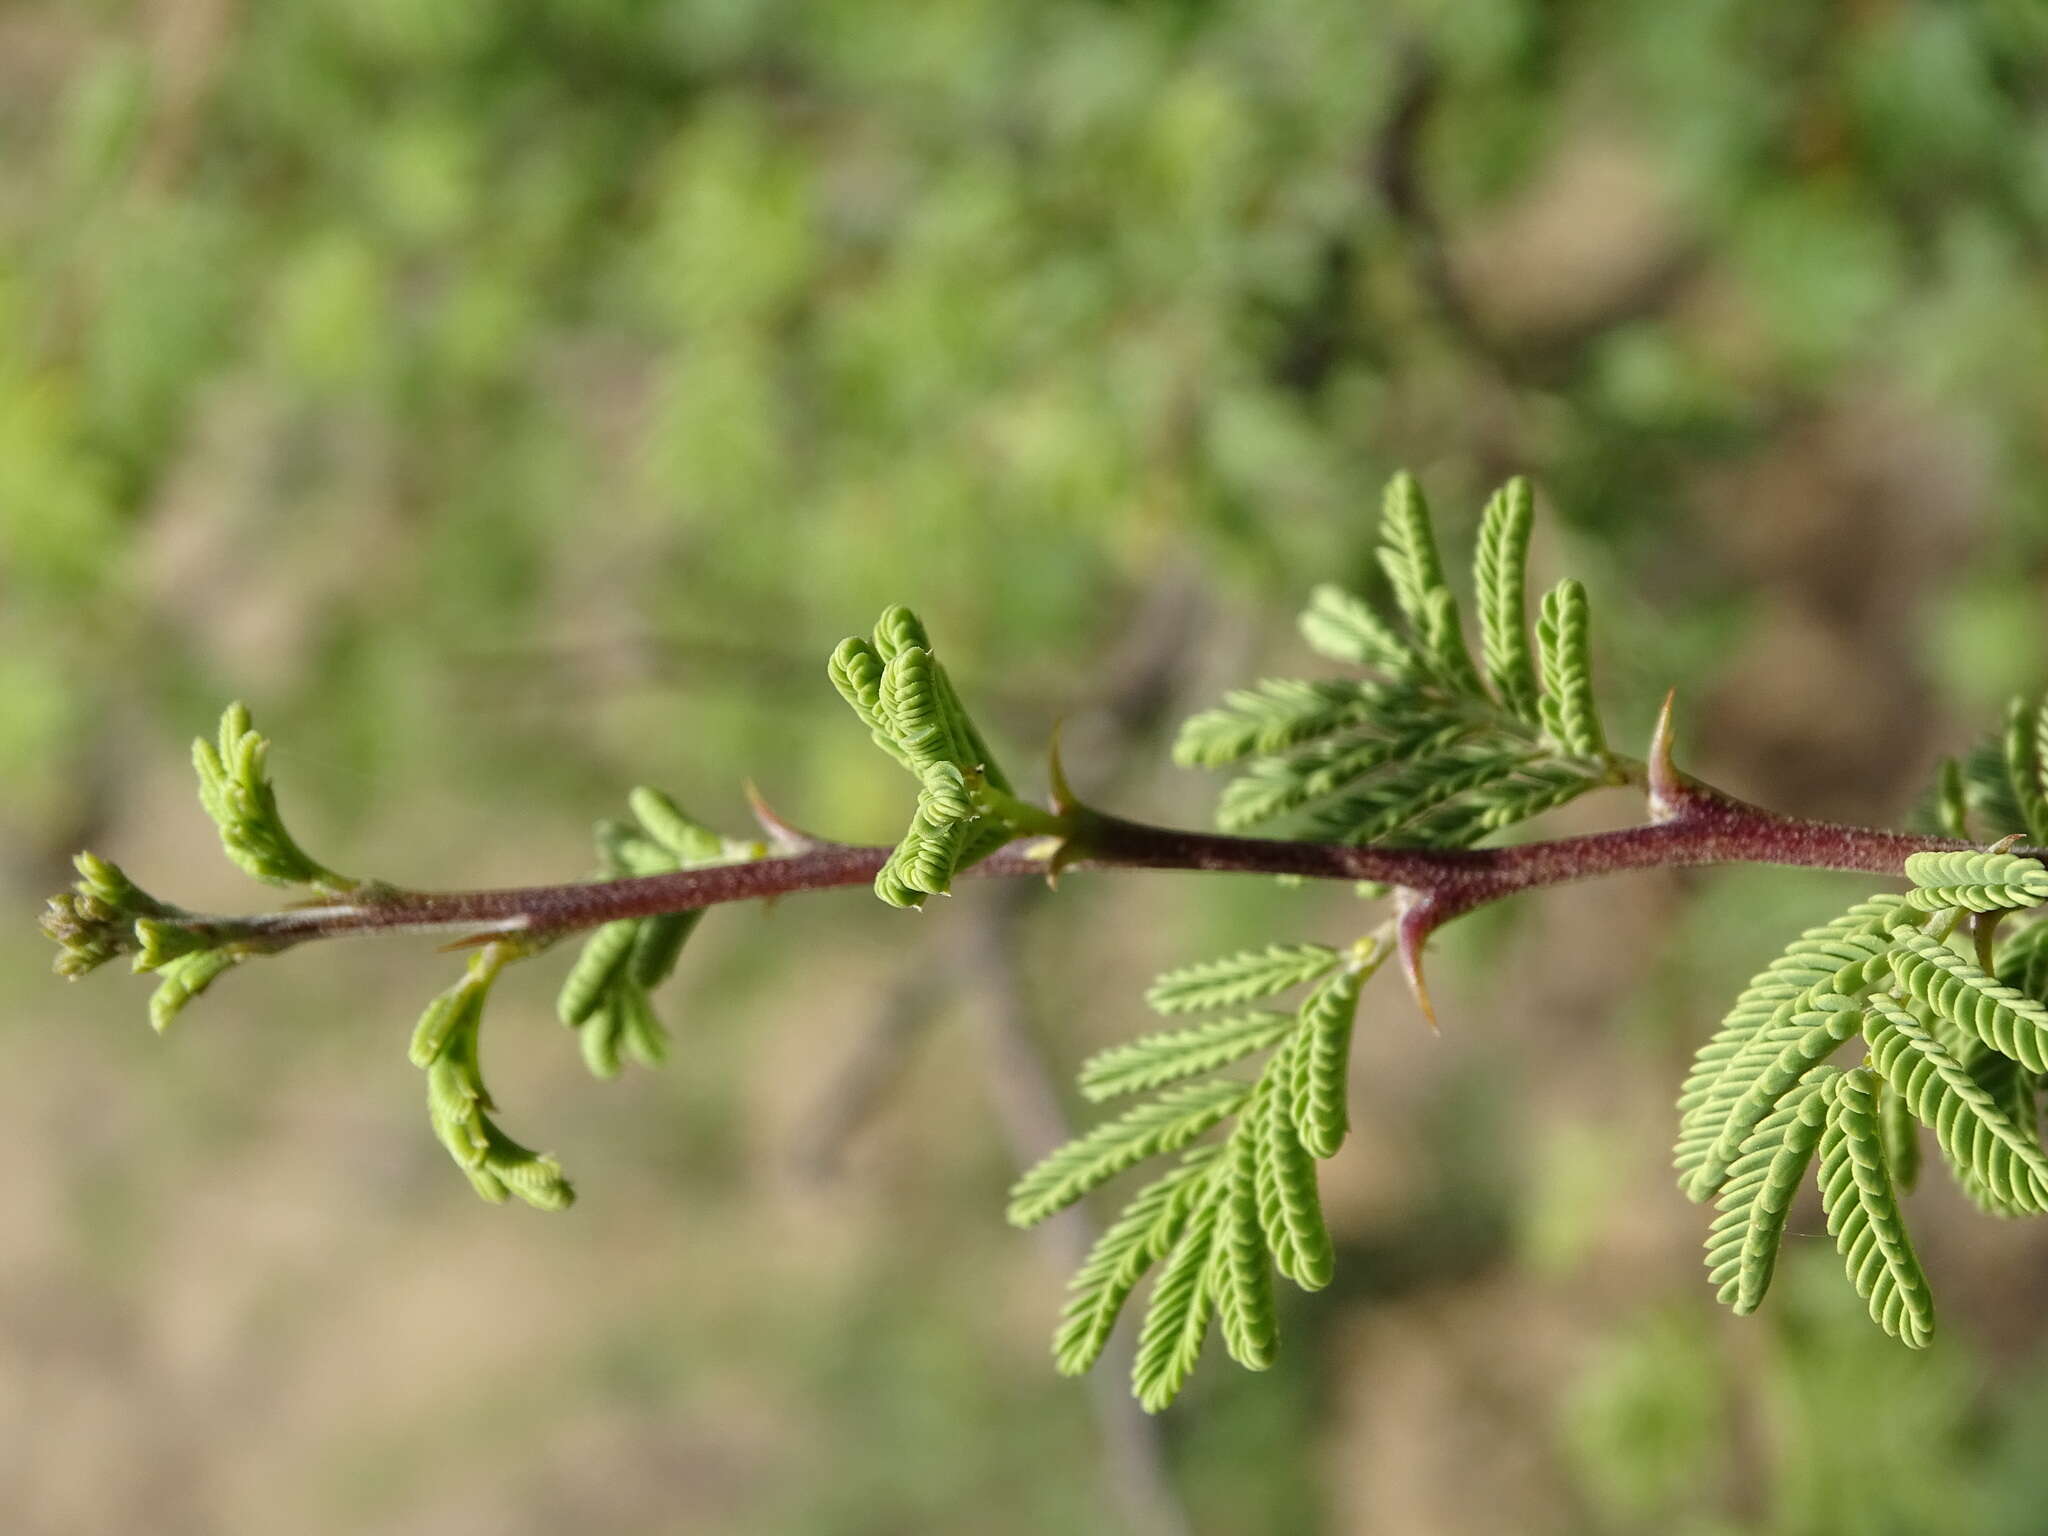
1975,1133
1287,1171
1863,1213
1811,1036
1956,990
1169,1056
689,840
1951,800
1743,1242
1276,714
1323,1061
1182,1302
1570,717
1345,628
1164,1124
1273,786
1407,550
598,967
1452,791
1240,978
1251,1330
1901,1134
1977,881
1409,556
1121,1257
1501,572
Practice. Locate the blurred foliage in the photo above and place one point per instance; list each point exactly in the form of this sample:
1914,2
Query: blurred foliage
444,375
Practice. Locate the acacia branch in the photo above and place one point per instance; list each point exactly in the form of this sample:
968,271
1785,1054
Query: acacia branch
1697,826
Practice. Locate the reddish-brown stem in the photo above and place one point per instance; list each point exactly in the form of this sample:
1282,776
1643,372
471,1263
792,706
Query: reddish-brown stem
1697,826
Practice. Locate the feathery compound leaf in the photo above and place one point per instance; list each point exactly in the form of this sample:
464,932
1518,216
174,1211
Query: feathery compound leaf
1345,628
1279,713
1501,571
1141,1236
1956,990
235,789
1977,1136
1743,1242
1570,717
1169,1056
2025,726
1240,978
1980,882
1862,1209
1759,1026
1164,1124
1182,1302
1322,1063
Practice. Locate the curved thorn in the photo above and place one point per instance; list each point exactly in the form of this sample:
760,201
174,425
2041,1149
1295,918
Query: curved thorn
1667,787
786,838
1418,918
1063,799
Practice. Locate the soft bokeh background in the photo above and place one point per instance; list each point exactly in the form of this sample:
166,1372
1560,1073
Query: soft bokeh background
515,401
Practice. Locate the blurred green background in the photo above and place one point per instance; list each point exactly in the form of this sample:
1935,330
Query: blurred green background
515,401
